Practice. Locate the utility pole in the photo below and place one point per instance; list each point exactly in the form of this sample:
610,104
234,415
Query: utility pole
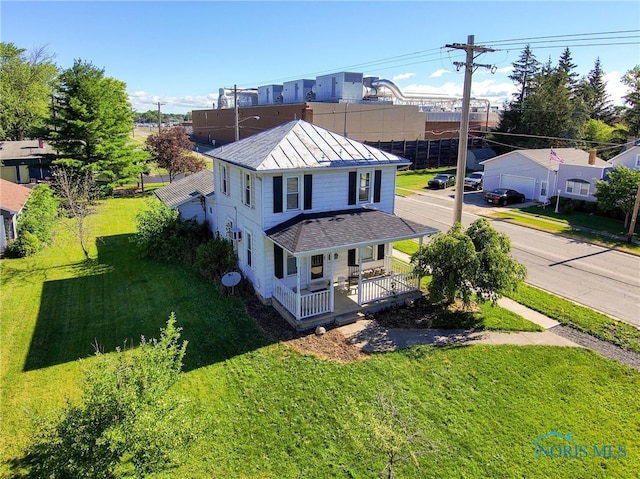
235,112
159,118
634,216
470,48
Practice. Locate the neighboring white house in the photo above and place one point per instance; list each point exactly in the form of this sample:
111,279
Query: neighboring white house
311,215
629,158
191,195
540,175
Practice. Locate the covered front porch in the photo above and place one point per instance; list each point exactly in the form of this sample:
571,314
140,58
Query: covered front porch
320,279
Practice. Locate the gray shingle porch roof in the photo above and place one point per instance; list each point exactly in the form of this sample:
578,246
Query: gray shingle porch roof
186,189
299,144
319,232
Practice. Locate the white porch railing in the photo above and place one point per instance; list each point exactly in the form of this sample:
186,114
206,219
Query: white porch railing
387,286
311,304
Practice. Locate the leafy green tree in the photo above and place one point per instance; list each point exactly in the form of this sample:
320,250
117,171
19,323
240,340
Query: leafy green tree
619,191
497,271
171,149
26,83
92,121
462,264
631,116
126,423
451,260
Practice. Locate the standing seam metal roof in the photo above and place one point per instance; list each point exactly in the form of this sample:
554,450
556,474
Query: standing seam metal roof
299,145
186,189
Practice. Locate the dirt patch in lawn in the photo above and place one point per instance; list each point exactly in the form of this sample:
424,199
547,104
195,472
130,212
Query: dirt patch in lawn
334,346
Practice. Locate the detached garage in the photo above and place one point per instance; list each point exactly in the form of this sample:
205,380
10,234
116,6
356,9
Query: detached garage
531,172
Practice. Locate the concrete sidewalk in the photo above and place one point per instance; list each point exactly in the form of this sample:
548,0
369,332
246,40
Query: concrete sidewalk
370,337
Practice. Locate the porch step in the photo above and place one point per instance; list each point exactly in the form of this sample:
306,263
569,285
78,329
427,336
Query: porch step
349,318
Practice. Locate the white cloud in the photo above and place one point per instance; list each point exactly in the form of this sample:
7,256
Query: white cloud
615,88
143,101
403,76
439,73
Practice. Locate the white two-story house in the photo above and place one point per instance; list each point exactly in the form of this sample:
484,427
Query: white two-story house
311,214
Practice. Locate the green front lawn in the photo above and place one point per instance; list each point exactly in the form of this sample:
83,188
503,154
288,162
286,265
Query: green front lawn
267,411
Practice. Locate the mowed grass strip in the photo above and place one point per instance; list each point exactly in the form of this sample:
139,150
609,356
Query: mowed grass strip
275,413
265,410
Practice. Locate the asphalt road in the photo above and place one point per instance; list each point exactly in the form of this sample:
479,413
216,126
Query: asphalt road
600,278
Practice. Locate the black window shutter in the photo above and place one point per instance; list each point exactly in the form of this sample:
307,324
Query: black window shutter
277,194
278,257
308,191
380,251
377,184
352,187
351,258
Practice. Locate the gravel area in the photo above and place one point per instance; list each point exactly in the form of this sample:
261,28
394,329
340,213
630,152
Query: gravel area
605,348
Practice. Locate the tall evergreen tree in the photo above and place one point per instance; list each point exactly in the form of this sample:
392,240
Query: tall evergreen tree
631,116
567,68
524,70
92,122
592,90
26,82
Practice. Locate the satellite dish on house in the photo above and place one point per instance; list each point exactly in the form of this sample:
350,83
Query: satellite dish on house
231,280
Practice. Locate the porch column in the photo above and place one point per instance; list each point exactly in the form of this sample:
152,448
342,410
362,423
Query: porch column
297,288
331,277
360,276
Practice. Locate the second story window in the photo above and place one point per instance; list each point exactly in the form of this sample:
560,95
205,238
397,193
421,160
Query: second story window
248,189
248,241
293,193
224,179
365,183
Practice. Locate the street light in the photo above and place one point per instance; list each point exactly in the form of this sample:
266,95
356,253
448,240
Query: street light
255,117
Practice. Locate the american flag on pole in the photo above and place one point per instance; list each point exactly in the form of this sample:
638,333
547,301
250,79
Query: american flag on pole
556,157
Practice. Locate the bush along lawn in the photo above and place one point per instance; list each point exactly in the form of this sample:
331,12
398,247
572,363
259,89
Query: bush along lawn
579,317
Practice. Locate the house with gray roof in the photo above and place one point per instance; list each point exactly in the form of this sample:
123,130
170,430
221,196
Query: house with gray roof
630,157
540,174
189,196
25,161
311,215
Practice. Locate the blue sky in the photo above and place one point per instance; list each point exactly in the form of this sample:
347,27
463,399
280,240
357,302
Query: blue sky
181,53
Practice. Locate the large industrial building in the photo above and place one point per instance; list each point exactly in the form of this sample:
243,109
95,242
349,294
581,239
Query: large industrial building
367,109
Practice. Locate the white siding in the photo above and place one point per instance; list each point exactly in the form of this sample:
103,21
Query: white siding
192,210
587,173
517,165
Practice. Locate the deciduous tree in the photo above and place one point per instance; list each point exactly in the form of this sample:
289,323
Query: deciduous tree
26,83
171,149
126,422
619,191
462,264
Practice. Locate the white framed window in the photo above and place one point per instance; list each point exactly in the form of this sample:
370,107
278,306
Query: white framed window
364,187
543,188
317,266
249,243
577,187
366,253
247,186
638,160
291,264
224,179
293,193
